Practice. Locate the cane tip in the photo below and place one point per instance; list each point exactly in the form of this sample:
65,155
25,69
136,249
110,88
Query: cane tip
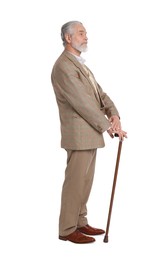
105,239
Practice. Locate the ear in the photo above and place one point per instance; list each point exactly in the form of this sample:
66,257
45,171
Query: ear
68,38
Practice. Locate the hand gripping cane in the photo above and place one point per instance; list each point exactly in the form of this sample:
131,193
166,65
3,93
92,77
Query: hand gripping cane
113,191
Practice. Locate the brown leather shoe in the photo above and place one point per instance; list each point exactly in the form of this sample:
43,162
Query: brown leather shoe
88,230
77,237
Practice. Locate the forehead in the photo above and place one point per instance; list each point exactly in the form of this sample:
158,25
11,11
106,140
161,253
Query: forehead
79,28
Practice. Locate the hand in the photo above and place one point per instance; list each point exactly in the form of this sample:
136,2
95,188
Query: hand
121,134
116,128
115,123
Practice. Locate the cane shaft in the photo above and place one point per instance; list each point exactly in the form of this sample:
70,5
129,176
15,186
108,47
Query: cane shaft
113,191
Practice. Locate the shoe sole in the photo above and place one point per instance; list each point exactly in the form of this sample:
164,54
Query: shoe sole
65,239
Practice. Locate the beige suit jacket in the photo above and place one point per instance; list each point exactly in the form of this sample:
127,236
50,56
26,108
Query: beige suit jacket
83,114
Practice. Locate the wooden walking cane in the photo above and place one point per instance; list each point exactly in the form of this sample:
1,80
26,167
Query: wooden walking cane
113,191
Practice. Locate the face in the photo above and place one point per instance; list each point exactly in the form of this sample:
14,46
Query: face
78,40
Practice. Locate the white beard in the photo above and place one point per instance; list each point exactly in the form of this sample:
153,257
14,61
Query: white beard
81,48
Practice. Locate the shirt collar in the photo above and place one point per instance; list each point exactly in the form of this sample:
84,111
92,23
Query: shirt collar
79,58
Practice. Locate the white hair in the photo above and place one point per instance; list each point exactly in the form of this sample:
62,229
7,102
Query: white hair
67,28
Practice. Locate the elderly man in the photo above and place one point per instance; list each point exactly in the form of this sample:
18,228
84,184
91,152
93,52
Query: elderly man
86,112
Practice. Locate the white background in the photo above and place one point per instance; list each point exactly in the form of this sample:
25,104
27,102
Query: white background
128,54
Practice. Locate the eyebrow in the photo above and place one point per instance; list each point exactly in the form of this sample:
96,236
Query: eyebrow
82,31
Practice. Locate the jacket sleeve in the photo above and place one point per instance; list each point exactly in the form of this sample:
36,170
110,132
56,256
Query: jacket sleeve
110,108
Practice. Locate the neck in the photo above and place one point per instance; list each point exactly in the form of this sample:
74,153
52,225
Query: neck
72,50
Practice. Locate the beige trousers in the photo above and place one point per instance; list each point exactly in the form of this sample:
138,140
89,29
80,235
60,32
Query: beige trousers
76,189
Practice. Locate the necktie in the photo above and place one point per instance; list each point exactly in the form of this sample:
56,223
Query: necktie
91,79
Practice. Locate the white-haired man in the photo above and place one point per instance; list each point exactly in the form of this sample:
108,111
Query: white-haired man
86,112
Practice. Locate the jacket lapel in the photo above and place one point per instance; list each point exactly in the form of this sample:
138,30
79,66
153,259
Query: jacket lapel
79,65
